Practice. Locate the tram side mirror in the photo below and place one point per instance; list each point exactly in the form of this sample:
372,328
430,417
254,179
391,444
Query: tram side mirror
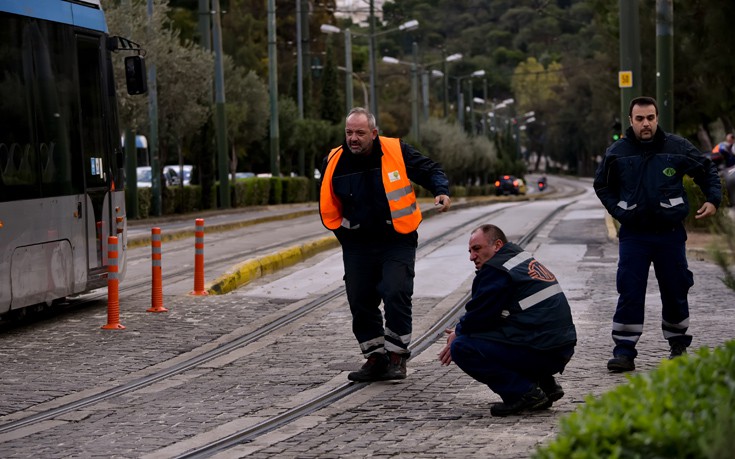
135,76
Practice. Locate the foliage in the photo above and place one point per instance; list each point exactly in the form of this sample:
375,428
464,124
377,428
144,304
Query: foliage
183,75
246,108
684,408
250,192
696,200
534,85
295,189
466,160
331,103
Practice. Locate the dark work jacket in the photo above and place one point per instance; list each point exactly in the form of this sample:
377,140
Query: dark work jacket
359,187
516,300
640,183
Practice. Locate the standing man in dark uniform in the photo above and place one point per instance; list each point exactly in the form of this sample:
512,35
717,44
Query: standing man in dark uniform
639,181
367,199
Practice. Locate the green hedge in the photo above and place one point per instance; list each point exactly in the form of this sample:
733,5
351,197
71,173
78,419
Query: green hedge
696,199
685,408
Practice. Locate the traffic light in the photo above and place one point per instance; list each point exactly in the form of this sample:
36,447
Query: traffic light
616,128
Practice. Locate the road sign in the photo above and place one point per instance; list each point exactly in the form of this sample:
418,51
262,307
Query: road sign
625,79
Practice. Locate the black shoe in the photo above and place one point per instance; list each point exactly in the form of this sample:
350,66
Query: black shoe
372,370
677,350
551,388
621,363
396,366
531,401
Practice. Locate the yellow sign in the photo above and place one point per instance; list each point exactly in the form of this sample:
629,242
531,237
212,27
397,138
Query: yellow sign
625,79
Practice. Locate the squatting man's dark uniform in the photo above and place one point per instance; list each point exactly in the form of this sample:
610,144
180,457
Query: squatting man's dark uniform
517,331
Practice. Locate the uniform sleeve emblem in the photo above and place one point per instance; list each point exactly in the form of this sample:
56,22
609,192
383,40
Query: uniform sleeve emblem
394,176
540,272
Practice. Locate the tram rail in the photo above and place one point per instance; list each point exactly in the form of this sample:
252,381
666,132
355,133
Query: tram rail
287,416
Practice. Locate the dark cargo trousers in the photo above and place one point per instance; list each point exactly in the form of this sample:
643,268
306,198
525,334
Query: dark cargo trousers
666,250
375,272
508,370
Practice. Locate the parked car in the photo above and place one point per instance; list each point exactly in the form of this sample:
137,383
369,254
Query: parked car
172,172
144,176
508,184
242,175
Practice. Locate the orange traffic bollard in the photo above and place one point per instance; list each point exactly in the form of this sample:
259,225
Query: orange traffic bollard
157,289
113,284
199,258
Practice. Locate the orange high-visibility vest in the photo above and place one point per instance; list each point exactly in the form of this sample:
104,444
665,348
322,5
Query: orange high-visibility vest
404,210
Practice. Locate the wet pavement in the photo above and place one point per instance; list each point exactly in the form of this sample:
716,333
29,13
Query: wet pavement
436,412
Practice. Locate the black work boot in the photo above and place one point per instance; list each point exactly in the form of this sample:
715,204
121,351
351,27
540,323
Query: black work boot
534,400
373,370
551,388
677,350
396,366
620,363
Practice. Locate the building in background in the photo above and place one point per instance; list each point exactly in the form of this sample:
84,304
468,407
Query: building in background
359,10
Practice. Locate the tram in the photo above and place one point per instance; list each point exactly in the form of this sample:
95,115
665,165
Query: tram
61,163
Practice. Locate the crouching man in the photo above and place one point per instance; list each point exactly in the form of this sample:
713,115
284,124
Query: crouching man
517,331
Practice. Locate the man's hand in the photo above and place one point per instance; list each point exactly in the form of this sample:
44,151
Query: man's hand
707,209
445,356
443,201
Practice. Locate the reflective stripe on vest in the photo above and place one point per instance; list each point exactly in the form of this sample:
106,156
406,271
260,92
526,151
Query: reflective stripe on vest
404,210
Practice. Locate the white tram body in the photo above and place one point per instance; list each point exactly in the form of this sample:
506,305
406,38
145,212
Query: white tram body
61,164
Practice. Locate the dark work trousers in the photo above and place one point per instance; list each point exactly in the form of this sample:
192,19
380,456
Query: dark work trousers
667,251
509,371
380,271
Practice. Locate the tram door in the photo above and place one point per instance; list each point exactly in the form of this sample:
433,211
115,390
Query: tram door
94,145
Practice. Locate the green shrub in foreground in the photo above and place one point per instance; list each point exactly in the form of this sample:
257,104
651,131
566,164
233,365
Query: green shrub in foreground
685,408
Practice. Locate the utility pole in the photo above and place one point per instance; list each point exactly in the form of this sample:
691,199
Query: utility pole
153,116
665,63
273,88
415,92
630,57
223,169
371,52
300,82
131,155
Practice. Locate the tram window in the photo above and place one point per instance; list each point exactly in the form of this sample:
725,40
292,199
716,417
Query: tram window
92,120
36,100
16,181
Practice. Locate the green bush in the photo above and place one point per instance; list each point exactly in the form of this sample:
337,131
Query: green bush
457,191
295,189
144,202
696,199
685,408
276,191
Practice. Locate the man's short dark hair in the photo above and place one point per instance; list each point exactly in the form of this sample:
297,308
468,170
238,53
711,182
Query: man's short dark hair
492,233
643,101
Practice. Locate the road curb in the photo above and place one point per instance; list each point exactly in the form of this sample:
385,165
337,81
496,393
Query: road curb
144,241
252,269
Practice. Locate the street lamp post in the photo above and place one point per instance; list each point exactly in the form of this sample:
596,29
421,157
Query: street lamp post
327,28
460,99
446,61
408,25
425,74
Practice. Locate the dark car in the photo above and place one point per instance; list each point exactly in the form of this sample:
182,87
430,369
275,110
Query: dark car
508,184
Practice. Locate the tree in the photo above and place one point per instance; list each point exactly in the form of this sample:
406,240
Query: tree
331,103
246,108
183,75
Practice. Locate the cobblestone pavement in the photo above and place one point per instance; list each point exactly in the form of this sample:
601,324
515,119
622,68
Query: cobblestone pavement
436,412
